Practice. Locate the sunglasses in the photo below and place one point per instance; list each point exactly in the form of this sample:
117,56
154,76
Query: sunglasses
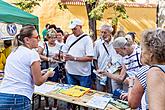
75,28
36,37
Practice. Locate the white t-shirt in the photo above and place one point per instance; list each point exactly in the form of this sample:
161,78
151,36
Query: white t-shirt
52,51
18,75
103,57
84,47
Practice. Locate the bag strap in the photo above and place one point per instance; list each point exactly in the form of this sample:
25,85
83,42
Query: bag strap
140,65
47,51
76,41
47,54
105,48
160,67
60,52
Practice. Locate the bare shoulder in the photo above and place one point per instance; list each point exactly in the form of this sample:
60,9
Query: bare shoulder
155,73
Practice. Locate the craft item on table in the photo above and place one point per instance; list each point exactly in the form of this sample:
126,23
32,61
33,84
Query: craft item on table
64,86
98,102
107,95
75,91
119,103
44,88
117,93
90,92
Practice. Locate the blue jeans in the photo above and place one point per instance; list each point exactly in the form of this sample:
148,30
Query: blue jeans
84,81
14,102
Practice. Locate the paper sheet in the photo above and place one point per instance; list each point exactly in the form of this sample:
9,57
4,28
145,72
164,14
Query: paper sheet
99,102
44,88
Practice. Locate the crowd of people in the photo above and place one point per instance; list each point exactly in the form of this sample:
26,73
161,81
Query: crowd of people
111,62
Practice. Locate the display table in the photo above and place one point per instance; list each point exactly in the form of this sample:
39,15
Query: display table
92,99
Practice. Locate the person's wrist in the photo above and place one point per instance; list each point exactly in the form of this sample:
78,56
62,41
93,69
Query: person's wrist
49,58
130,86
131,83
75,58
49,73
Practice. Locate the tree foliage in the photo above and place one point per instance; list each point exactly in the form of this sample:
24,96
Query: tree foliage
119,10
99,6
27,5
95,10
62,6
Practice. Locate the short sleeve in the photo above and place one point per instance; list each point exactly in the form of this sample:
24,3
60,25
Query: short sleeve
34,57
141,75
96,50
89,47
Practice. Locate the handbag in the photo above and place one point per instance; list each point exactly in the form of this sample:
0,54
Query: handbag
45,64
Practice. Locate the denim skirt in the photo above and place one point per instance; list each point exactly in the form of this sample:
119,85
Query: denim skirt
14,102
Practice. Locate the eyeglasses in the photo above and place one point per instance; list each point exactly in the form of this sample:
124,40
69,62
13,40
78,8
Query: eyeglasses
52,37
74,28
103,32
36,37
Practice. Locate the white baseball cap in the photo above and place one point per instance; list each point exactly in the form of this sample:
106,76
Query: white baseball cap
74,23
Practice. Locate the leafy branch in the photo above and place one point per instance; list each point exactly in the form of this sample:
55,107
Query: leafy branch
27,5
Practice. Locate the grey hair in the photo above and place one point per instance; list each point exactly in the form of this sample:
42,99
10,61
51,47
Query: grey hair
154,40
121,42
106,27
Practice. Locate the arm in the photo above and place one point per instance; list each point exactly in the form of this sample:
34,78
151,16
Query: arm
79,59
43,57
37,75
118,77
135,91
156,89
95,63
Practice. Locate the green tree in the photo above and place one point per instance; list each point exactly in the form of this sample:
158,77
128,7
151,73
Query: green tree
160,13
95,10
27,5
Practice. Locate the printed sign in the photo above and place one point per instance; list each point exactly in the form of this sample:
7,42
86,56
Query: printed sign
9,30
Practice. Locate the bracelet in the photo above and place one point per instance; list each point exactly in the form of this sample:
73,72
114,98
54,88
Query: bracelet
49,58
75,58
130,86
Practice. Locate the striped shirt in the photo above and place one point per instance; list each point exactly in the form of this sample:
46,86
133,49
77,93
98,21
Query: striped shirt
142,77
132,62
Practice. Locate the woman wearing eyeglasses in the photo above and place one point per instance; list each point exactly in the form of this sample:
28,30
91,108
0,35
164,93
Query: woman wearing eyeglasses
49,53
22,71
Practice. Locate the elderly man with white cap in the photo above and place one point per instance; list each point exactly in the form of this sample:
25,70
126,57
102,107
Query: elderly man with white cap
78,53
